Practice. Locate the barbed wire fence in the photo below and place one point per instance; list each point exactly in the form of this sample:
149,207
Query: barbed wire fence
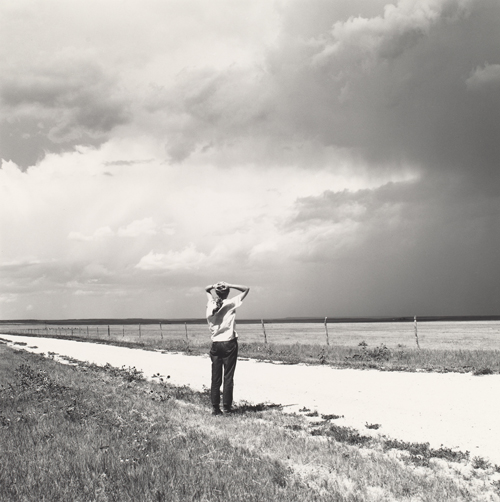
327,331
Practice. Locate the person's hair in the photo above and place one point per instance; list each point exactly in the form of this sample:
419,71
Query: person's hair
222,293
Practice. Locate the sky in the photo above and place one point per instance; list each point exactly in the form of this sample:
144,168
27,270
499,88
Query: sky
341,158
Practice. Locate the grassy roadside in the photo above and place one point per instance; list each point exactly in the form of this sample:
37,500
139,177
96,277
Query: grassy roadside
85,433
361,356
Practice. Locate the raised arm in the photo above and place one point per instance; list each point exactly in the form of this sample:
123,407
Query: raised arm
208,290
243,289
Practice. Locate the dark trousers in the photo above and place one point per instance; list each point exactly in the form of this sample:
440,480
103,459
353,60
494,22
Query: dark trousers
223,356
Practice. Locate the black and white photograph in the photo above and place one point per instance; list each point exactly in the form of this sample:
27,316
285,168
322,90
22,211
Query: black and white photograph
249,250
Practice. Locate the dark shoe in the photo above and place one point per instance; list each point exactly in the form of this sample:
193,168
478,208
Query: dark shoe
216,411
227,411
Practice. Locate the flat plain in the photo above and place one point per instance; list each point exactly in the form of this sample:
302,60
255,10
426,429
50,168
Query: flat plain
464,335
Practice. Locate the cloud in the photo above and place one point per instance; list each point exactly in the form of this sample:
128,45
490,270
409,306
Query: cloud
127,162
80,292
186,259
419,240
85,77
486,77
336,224
346,149
8,298
137,228
367,41
100,233
95,270
366,83
379,92
54,106
146,226
20,263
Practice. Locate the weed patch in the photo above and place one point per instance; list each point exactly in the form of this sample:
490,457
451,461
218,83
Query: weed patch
341,434
381,353
32,380
421,453
255,408
130,374
483,371
481,463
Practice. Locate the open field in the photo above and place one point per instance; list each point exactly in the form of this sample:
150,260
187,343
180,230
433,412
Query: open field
442,335
100,434
459,346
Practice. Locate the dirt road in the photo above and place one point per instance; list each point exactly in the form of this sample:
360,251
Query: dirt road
454,410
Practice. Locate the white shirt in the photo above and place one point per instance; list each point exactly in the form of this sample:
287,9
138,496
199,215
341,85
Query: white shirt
221,323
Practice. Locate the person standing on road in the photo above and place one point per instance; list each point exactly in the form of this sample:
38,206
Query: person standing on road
221,316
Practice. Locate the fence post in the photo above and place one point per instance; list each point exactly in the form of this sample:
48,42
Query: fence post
140,332
326,331
109,334
416,330
123,331
186,329
264,331
87,331
161,332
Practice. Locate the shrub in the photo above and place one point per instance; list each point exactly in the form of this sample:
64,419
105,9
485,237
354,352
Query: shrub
483,371
480,463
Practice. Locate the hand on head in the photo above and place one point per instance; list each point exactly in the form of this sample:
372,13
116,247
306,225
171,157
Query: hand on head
221,290
221,286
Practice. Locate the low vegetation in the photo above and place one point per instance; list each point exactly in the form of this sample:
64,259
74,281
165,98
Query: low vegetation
361,356
87,433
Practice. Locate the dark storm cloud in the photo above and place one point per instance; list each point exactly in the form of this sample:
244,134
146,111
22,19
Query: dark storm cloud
361,205
394,88
413,85
414,248
420,88
53,108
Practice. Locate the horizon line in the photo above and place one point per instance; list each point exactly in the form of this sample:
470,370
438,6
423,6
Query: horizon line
298,319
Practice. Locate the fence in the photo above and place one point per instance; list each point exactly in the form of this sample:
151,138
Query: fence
411,333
